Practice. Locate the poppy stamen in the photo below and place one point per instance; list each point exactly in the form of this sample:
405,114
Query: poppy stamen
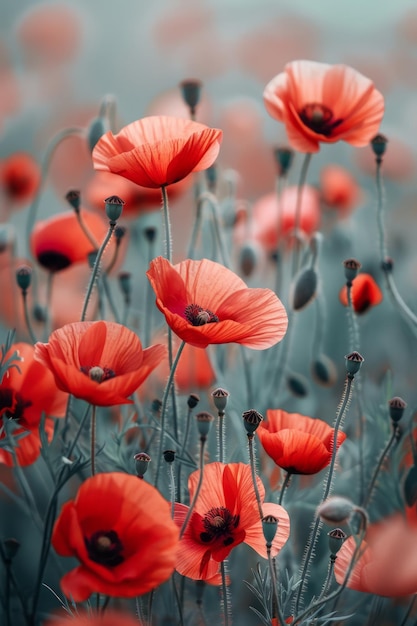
319,118
97,373
219,523
197,316
12,405
104,547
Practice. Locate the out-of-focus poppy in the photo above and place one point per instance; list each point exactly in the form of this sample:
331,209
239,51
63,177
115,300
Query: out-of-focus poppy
297,443
157,151
25,446
59,241
325,103
339,189
120,529
100,362
365,293
272,221
204,302
19,178
225,515
387,564
25,394
109,618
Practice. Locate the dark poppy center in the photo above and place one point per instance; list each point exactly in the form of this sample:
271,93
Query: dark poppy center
12,405
219,523
97,373
53,261
319,118
105,547
197,316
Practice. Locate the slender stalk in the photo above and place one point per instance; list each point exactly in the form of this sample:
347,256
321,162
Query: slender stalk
198,219
301,183
112,226
107,291
227,612
379,465
93,440
172,487
149,301
220,437
203,440
86,231
248,376
329,577
253,472
273,576
285,484
27,316
48,305
167,224
164,409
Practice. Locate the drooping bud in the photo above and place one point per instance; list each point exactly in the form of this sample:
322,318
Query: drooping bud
193,400
324,370
297,384
24,277
169,456
397,407
142,461
353,363
336,540
251,420
74,198
125,283
191,93
352,266
220,397
204,421
269,528
211,177
150,234
98,127
335,510
248,258
114,207
119,233
304,288
283,157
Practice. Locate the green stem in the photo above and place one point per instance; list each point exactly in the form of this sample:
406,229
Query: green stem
225,595
198,488
248,376
27,316
167,224
86,231
94,272
107,291
301,183
275,599
253,472
220,437
284,486
93,441
379,465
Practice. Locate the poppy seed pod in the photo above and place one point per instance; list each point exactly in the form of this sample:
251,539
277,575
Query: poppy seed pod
142,461
24,277
191,93
352,266
396,408
74,198
193,400
379,146
114,207
304,288
204,421
337,537
220,397
269,527
353,362
251,420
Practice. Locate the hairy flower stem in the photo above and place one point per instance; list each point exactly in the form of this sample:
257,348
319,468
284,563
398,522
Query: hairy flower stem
253,471
382,458
275,600
203,440
93,440
284,486
108,294
167,224
112,226
182,451
308,556
172,487
220,437
11,581
225,595
248,376
164,406
27,316
329,577
296,231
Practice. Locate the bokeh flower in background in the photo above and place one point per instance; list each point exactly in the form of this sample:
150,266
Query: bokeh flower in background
365,293
19,179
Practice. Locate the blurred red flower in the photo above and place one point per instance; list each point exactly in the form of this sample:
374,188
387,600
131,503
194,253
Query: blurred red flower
339,189
297,443
25,394
157,151
225,515
325,103
120,529
59,241
204,302
100,362
365,293
19,178
388,560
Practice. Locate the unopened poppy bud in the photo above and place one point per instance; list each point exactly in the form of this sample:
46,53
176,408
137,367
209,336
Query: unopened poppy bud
324,370
74,198
39,313
150,234
211,177
396,408
269,528
114,207
336,540
379,145
24,277
11,548
353,363
125,282
169,456
191,93
156,405
220,397
193,400
204,421
284,158
248,258
335,510
142,461
352,266
98,127
251,420
387,264
297,384
304,288
119,233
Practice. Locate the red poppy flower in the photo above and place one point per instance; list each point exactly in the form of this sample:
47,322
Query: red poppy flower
19,177
59,241
339,189
365,293
25,394
204,302
297,443
273,221
109,618
101,362
225,514
325,103
158,150
388,562
120,529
